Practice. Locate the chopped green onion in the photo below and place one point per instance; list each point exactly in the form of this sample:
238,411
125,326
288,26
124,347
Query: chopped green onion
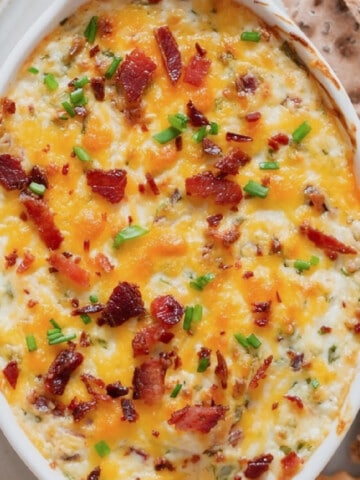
242,340
189,311
113,66
176,390
102,448
31,343
178,121
54,323
197,313
203,364
166,135
33,70
82,154
253,341
200,134
256,189
301,132
332,355
80,82
63,338
285,449
129,233
250,36
85,318
314,382
91,29
37,188
214,128
53,331
247,342
69,108
200,282
51,82
77,97
93,298
314,260
269,165
302,265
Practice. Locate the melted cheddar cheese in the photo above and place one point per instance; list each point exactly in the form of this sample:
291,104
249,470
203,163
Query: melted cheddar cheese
275,275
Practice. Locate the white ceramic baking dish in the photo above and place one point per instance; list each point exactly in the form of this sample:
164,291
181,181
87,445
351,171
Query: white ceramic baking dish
334,93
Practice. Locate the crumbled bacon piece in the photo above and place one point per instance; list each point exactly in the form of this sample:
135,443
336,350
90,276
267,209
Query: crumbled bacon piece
291,464
257,466
221,369
8,106
277,140
128,409
10,259
43,218
253,117
260,373
125,302
196,70
135,75
149,381
98,87
163,464
103,262
231,163
214,220
169,52
227,237
80,409
316,198
38,175
209,147
197,418
200,50
166,310
295,399
152,184
58,375
246,84
94,474
12,175
207,185
145,338
94,386
71,270
105,26
325,242
116,390
296,360
196,117
11,372
237,137
110,184
91,308
26,263
76,47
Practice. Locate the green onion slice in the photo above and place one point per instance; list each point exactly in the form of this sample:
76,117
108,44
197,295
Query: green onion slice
301,132
91,29
200,134
77,97
269,165
250,37
255,189
113,67
85,318
248,342
178,121
200,282
197,313
54,323
253,341
176,390
189,311
69,108
302,265
62,339
214,128
129,233
166,135
203,364
80,82
82,154
31,343
37,188
102,448
93,298
33,70
51,82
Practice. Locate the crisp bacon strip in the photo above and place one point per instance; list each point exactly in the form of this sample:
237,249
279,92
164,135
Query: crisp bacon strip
43,218
170,53
149,381
12,175
71,270
325,242
94,386
125,302
197,418
277,140
26,263
196,117
98,87
206,185
128,409
196,70
80,409
109,184
135,75
257,466
246,84
166,310
145,338
260,373
58,376
11,372
232,162
211,148
94,474
221,369
291,464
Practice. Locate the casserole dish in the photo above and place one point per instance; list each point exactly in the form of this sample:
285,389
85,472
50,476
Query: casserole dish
300,50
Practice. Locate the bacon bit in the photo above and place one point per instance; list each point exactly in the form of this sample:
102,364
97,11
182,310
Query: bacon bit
11,373
257,466
10,259
261,307
8,106
196,70
260,373
80,409
325,242
12,175
94,386
135,75
200,50
253,117
178,143
26,263
248,274
295,399
197,418
103,262
94,474
98,87
109,184
163,464
91,308
65,169
324,329
145,338
197,118
94,51
124,303
43,218
128,409
76,47
206,185
237,137
221,369
31,303
149,381
85,340
152,184
246,84
296,360
38,175
214,220
105,26
169,52
58,376
116,390
231,163
291,463
210,147
275,246
71,270
316,198
277,140
228,237
166,310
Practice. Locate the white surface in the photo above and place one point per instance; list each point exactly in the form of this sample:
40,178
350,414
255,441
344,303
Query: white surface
15,17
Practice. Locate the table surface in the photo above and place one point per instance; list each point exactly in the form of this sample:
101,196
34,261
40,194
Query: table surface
15,17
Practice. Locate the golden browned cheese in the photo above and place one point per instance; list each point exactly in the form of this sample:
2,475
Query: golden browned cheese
263,253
